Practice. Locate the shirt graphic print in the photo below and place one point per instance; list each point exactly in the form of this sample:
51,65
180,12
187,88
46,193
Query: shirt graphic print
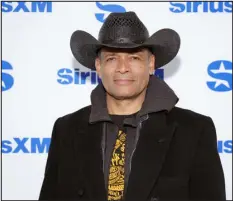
116,172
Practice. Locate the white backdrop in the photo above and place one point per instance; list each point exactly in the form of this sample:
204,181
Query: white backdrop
39,83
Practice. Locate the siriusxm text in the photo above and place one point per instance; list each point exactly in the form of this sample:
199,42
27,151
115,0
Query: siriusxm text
67,76
41,145
200,6
33,7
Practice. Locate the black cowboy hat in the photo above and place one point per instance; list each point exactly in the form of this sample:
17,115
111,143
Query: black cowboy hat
124,30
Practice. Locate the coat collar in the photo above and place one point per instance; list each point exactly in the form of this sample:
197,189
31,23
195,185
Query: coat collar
159,97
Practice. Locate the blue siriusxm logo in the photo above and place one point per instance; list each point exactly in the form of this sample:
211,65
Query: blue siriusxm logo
67,76
221,71
225,146
7,79
108,8
204,6
26,145
38,145
22,6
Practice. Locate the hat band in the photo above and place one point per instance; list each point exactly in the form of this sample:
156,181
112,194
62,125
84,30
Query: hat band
122,41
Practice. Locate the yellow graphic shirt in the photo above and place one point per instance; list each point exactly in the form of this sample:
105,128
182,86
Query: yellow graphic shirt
116,172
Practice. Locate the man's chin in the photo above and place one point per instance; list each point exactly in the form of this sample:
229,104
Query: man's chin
122,96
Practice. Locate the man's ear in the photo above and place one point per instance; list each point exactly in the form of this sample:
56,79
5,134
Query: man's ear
98,66
152,64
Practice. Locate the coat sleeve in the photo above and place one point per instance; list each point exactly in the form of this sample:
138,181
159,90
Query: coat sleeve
207,180
49,185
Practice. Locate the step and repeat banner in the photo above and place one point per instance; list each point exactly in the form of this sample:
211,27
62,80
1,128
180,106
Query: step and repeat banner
39,83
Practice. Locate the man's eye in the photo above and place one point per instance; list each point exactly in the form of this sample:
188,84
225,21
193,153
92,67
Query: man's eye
110,59
135,58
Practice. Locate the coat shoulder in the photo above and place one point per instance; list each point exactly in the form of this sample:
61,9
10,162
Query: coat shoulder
81,114
188,117
79,117
192,123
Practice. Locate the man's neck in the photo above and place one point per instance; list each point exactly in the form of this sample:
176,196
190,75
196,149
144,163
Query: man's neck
126,106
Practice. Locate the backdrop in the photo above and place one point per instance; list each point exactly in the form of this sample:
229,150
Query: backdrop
39,83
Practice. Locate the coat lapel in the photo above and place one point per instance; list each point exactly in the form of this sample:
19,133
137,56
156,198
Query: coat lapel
92,161
153,144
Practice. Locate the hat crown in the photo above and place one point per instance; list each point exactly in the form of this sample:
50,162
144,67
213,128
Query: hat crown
123,28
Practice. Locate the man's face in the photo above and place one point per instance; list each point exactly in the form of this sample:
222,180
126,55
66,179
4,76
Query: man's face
125,73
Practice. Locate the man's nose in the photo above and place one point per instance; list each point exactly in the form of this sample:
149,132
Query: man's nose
123,66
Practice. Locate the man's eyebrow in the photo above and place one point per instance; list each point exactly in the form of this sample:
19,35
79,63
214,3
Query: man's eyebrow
109,53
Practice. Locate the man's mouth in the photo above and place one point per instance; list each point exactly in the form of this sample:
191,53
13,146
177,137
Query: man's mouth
123,81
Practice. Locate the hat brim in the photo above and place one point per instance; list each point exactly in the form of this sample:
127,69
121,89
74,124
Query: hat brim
164,44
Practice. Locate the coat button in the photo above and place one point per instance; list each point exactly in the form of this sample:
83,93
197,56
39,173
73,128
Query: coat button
80,192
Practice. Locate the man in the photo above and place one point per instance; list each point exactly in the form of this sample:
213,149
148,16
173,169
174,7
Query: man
132,142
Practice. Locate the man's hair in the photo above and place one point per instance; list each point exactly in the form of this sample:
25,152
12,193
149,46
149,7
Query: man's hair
98,53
